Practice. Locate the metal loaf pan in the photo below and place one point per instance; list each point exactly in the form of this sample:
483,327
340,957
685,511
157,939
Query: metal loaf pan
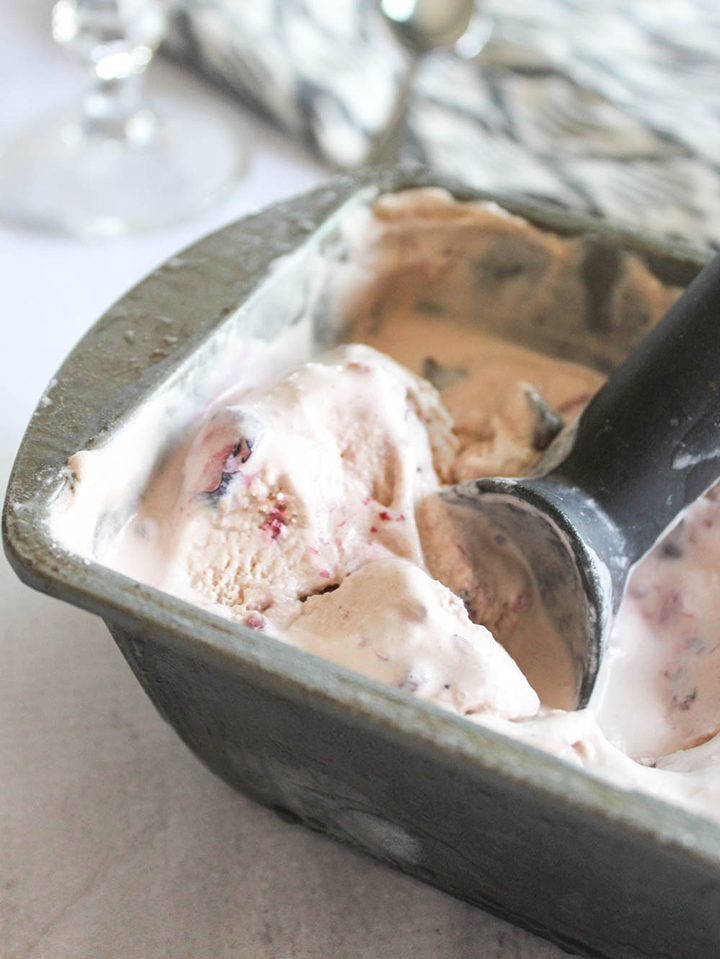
522,834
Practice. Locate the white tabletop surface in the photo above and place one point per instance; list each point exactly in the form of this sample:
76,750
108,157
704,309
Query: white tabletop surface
114,840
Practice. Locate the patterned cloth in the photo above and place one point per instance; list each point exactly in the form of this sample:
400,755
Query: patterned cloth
610,106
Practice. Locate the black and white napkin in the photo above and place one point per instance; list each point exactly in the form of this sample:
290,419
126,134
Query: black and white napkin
609,106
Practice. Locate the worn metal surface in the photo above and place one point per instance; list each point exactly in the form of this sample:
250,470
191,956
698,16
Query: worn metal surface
518,832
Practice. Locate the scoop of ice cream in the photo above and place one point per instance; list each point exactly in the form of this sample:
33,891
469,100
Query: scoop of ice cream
394,623
283,497
664,653
489,574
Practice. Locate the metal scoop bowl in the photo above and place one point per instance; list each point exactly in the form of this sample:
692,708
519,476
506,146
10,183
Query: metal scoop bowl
644,449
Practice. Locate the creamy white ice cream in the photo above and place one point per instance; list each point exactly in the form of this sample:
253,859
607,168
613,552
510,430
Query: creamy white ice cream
303,507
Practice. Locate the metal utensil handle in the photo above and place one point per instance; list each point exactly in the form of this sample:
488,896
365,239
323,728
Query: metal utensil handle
648,444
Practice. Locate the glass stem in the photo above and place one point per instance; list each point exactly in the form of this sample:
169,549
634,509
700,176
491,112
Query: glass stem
111,105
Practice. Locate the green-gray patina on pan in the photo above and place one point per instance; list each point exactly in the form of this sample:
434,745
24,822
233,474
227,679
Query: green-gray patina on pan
594,868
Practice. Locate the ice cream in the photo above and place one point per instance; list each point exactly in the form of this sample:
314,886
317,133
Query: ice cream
296,514
391,621
302,506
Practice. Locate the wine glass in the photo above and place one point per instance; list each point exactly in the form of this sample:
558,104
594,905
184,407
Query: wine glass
116,163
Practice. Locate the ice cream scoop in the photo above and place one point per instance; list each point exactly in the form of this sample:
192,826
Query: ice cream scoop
646,447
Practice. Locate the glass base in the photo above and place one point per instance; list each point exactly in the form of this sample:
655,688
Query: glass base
59,176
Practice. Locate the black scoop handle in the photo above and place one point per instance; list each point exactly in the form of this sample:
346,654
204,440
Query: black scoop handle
648,444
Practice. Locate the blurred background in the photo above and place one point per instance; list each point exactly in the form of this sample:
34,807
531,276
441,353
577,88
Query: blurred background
113,840
610,106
